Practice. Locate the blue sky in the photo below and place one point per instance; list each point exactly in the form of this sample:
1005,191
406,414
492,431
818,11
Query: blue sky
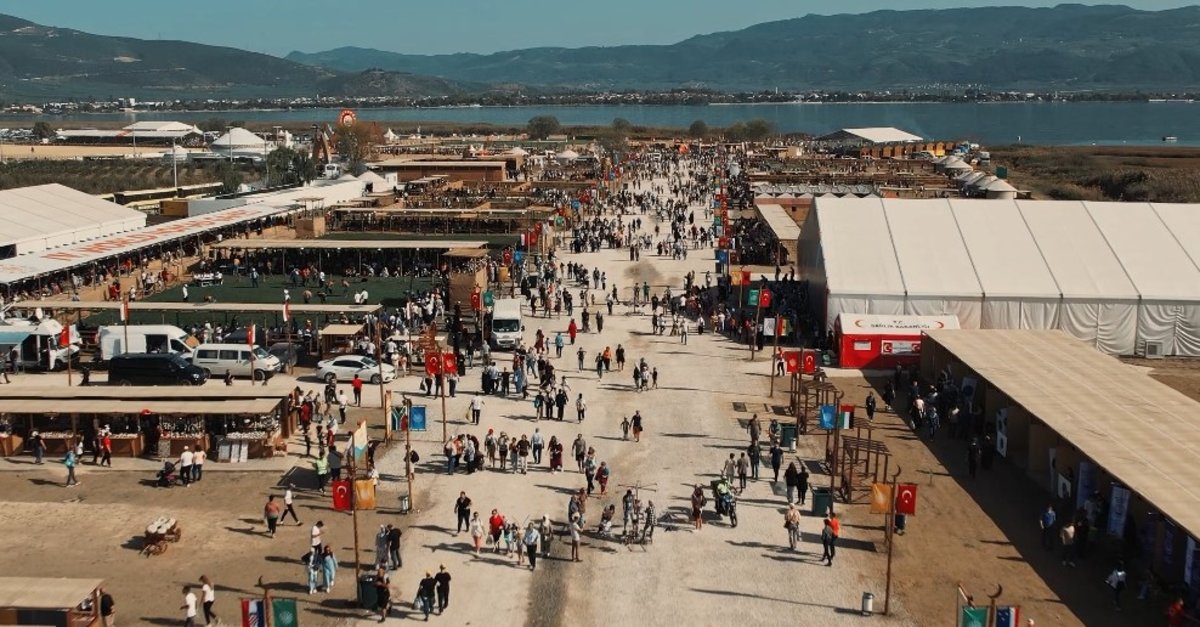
430,27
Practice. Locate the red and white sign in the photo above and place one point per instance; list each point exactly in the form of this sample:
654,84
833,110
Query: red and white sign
906,499
809,361
876,341
347,117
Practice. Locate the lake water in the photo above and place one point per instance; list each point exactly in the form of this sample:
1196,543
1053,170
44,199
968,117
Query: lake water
1079,123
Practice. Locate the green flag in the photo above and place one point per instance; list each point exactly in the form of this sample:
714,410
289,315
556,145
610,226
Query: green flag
752,298
284,614
973,617
489,298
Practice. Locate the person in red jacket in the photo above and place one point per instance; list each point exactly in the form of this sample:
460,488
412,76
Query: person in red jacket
495,528
356,385
572,330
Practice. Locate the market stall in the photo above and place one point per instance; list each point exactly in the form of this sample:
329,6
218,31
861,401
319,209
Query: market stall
338,339
50,601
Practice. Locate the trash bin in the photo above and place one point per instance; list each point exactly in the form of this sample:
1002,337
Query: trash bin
788,436
405,504
868,604
822,501
367,597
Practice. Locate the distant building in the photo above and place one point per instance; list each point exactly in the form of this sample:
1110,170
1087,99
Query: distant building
158,133
464,170
871,136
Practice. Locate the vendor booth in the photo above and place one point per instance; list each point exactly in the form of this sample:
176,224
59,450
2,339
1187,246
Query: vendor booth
50,601
877,341
146,425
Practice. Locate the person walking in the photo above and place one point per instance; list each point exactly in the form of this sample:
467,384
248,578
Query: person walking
828,542
476,529
108,608
329,567
476,407
558,344
1046,523
288,505
1116,581
106,449
442,579
579,450
531,540
776,454
791,522
537,444
1066,537
208,594
637,426
70,461
356,385
393,547
802,484
576,530
462,510
383,594
698,501
198,458
426,589
755,459
743,470
185,466
189,607
38,445
271,515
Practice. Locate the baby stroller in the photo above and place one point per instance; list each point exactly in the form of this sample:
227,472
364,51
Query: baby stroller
166,476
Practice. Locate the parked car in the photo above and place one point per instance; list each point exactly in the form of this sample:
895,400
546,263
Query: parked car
153,369
238,360
344,367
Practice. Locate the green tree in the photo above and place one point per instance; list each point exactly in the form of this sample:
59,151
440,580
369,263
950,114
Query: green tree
287,166
213,125
356,142
543,126
43,130
622,126
229,176
699,128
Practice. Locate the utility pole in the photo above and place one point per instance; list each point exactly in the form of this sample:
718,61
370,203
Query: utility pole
890,535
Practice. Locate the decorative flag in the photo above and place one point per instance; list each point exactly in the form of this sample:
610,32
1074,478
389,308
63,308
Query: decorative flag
433,363
417,418
735,278
846,416
449,363
508,257
764,298
125,310
1008,616
283,612
252,613
524,236
532,238
358,444
752,298
489,299
287,310
973,617
722,256
828,413
745,277
906,499
781,326
809,360
881,498
341,495
250,335
64,338
791,361
364,494
476,299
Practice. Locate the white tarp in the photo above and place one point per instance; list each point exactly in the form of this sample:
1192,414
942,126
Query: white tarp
1116,275
48,216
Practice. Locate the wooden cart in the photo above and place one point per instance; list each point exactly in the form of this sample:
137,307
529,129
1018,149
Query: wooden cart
159,535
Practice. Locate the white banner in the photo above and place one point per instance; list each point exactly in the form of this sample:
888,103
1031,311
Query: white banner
1118,510
901,347
1002,431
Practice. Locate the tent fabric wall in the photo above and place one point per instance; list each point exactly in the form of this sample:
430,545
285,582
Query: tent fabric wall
1116,275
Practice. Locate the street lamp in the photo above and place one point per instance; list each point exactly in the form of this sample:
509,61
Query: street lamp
229,141
174,167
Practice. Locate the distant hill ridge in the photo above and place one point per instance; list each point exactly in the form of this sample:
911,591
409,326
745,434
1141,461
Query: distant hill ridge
1069,46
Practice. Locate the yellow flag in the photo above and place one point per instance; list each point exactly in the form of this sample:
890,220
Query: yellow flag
364,494
881,498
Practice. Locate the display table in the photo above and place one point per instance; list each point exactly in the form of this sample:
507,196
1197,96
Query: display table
128,445
58,443
178,441
11,444
240,447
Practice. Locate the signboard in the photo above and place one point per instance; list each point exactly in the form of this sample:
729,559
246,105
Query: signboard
1087,483
808,358
1118,510
417,418
900,347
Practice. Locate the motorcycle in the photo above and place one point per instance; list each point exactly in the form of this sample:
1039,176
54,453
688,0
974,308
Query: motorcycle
725,499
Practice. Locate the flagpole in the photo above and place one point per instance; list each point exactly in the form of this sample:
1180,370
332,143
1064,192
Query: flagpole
354,510
891,540
287,323
67,330
379,360
775,353
409,475
757,318
125,319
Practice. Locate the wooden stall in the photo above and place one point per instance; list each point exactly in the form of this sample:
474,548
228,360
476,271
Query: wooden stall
57,601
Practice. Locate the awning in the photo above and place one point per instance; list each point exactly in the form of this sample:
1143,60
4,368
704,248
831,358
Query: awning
341,329
13,338
470,253
51,405
45,593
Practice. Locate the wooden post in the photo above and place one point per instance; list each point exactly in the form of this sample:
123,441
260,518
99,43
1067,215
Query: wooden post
354,512
754,329
408,469
267,617
775,354
891,540
379,361
70,381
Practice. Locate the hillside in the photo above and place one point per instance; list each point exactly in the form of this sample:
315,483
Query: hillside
1064,47
44,62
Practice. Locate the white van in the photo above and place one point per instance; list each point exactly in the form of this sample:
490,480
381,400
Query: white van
143,338
507,327
216,359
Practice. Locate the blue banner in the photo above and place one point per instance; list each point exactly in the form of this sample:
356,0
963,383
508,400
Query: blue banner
518,256
723,256
828,416
417,419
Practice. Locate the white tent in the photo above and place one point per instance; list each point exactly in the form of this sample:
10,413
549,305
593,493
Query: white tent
518,152
44,217
1121,276
391,137
567,156
239,140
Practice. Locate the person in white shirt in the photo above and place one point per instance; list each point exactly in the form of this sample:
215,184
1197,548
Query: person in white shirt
316,536
185,466
288,499
343,402
476,407
209,597
189,607
198,464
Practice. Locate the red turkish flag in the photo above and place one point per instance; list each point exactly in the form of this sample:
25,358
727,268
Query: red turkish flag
342,500
791,361
507,257
764,298
449,363
475,300
906,499
433,363
745,277
64,338
809,360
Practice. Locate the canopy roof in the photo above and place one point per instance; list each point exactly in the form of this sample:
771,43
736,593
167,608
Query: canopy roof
295,308
780,222
45,593
239,138
326,244
874,135
48,216
1088,398
53,405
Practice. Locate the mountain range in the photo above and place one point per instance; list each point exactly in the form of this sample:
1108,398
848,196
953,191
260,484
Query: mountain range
1067,47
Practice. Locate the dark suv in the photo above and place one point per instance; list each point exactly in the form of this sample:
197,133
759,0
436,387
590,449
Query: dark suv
153,369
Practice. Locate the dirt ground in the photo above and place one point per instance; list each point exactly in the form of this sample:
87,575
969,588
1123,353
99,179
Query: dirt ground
59,151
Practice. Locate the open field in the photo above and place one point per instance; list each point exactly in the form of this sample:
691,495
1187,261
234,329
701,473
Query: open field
1152,174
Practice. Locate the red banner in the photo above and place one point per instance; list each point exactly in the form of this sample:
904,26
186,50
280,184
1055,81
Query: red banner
764,298
433,363
342,500
475,300
809,360
449,363
906,499
791,361
64,338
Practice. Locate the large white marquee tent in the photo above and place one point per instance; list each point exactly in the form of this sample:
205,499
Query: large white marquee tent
43,217
1122,276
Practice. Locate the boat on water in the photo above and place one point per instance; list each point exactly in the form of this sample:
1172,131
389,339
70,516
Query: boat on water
1170,138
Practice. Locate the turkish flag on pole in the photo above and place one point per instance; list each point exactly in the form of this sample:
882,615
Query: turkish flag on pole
287,310
791,361
764,297
906,499
475,300
808,359
433,363
745,277
125,310
64,338
250,335
341,495
449,363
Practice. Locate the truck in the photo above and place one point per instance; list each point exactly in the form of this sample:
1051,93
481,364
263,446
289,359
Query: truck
507,327
144,338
